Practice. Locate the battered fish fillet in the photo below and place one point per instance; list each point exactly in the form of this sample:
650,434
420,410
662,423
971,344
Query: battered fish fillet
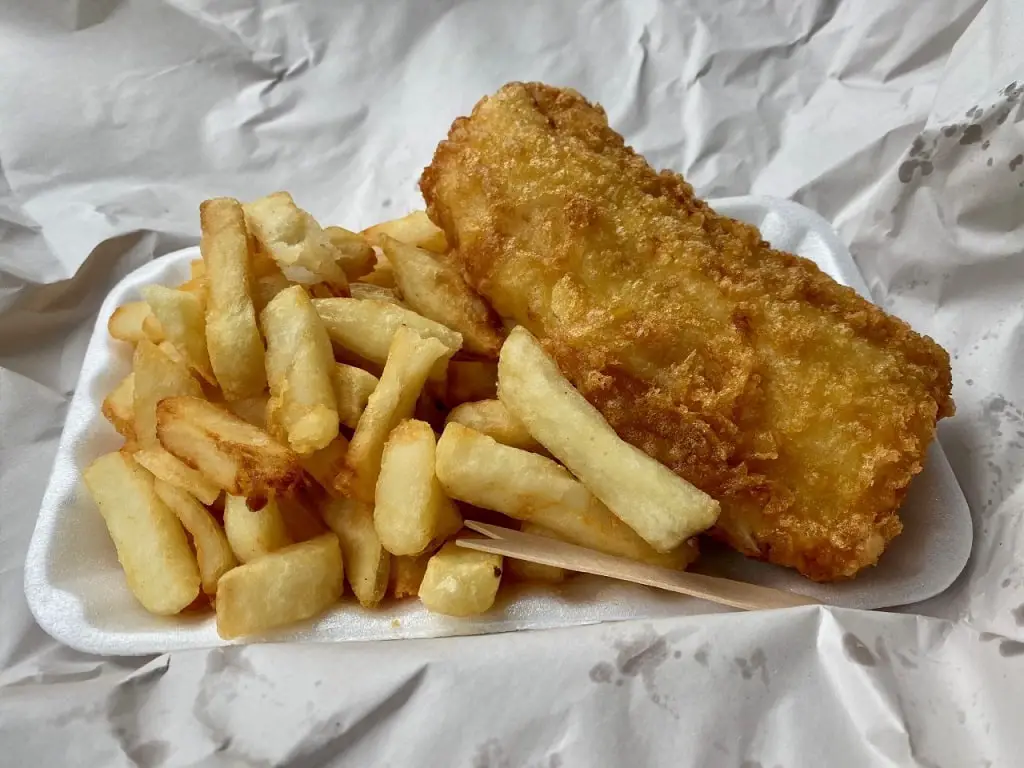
804,409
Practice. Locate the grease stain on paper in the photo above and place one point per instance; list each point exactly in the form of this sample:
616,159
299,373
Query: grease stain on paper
757,663
857,652
1008,648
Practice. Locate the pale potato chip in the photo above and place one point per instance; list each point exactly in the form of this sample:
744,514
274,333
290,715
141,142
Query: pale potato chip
300,369
493,419
213,552
409,363
233,338
119,407
438,292
411,510
151,545
156,376
289,585
460,582
415,229
294,239
367,563
254,532
478,470
183,320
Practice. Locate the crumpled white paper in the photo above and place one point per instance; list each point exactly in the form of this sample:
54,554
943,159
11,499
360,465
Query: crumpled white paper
900,122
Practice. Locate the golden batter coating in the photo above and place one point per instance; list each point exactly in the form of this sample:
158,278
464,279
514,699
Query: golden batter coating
803,408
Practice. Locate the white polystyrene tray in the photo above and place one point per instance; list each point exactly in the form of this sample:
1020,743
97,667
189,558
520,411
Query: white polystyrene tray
77,592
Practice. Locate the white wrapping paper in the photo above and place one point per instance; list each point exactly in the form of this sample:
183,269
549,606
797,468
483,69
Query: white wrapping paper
900,122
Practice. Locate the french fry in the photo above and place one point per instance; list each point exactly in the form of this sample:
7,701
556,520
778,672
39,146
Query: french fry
367,563
251,409
493,419
289,585
415,229
183,320
368,328
524,570
352,389
172,352
325,464
133,322
471,380
411,510
197,267
119,407
382,275
409,362
294,240
266,287
232,336
658,504
156,376
213,552
369,291
352,252
460,582
406,575
253,533
478,470
172,471
240,458
152,548
439,293
300,366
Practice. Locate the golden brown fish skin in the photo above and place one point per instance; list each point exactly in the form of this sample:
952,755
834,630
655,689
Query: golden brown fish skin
804,409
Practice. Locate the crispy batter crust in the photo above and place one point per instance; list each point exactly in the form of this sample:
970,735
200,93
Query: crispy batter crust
803,408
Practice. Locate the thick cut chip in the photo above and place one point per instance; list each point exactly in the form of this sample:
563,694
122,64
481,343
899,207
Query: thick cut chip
232,336
175,472
253,533
352,252
240,458
252,409
478,470
133,322
352,389
655,502
294,240
266,287
289,585
438,292
367,328
183,320
367,563
415,229
372,292
407,575
409,363
151,545
300,369
119,407
212,549
411,510
460,582
156,376
493,419
325,464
